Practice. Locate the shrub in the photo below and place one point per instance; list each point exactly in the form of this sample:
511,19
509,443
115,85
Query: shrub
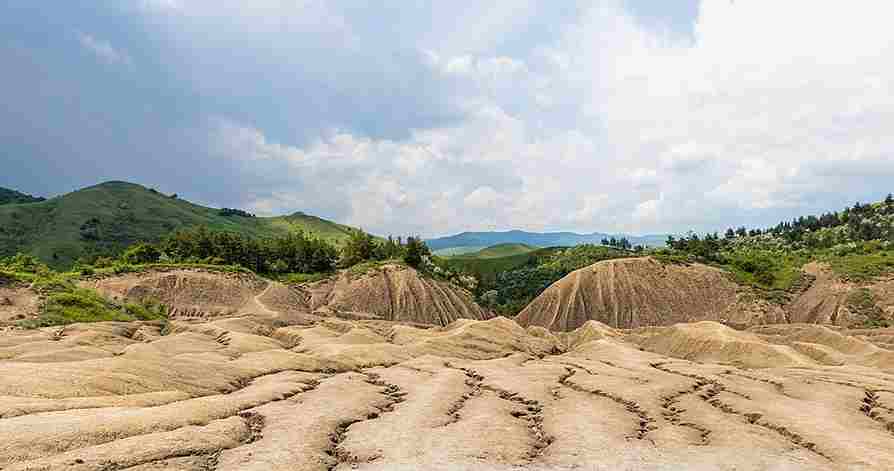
24,263
141,254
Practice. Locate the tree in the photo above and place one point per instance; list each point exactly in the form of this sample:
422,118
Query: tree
730,233
140,254
416,251
359,247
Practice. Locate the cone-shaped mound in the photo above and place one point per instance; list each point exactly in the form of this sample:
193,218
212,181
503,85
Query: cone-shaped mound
395,293
631,293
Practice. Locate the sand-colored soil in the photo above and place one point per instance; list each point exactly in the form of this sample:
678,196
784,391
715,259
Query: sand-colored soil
17,303
640,292
239,394
392,293
631,293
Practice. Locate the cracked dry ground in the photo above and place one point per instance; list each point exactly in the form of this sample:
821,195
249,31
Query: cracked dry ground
235,394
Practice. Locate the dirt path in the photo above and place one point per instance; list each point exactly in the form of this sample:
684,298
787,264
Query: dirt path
257,307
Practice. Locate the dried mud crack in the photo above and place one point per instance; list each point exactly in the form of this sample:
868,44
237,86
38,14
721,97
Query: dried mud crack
393,395
531,411
473,382
672,413
710,396
646,423
870,407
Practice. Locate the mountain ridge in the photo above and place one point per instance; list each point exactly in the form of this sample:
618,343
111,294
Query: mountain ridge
537,239
10,196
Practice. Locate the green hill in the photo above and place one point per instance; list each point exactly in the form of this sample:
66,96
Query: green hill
515,280
106,218
8,196
501,250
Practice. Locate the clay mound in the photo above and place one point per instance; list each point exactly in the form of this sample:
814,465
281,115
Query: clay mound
188,293
713,342
394,293
17,302
630,293
824,302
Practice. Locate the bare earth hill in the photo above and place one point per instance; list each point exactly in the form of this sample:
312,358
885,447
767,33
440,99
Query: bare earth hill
640,292
238,394
392,292
632,292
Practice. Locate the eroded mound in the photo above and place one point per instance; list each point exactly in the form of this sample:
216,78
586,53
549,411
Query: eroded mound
392,293
629,293
238,394
188,293
395,293
17,302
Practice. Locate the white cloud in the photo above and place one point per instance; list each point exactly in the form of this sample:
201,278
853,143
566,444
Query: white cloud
609,126
104,50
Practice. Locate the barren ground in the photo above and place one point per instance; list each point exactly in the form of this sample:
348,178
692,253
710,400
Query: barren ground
252,375
240,394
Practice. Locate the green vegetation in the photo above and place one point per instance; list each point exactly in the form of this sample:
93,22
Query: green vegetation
290,253
862,302
8,196
500,250
507,284
103,220
454,251
861,262
487,269
63,302
858,244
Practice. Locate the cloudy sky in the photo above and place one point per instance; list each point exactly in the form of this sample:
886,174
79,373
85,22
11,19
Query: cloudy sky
634,116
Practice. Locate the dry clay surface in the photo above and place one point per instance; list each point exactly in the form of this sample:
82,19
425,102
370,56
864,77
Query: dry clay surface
638,292
239,394
392,292
17,302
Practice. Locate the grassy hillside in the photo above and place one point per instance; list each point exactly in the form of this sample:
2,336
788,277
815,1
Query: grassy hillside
506,284
501,250
456,251
8,196
106,218
486,269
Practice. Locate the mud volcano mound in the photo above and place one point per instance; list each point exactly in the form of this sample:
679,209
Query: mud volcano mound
394,293
188,293
390,293
630,293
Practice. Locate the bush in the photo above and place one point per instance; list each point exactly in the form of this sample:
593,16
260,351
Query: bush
24,263
141,254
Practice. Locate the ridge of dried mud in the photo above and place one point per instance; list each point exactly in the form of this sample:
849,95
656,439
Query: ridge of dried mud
240,394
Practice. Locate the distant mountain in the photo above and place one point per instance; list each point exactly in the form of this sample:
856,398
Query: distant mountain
106,218
8,196
536,239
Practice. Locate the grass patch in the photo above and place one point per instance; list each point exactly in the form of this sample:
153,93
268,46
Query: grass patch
122,268
363,268
862,302
63,302
861,266
299,278
671,257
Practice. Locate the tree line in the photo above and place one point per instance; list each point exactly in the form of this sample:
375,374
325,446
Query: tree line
290,253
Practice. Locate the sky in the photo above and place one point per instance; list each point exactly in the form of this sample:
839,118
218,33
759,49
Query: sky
632,116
